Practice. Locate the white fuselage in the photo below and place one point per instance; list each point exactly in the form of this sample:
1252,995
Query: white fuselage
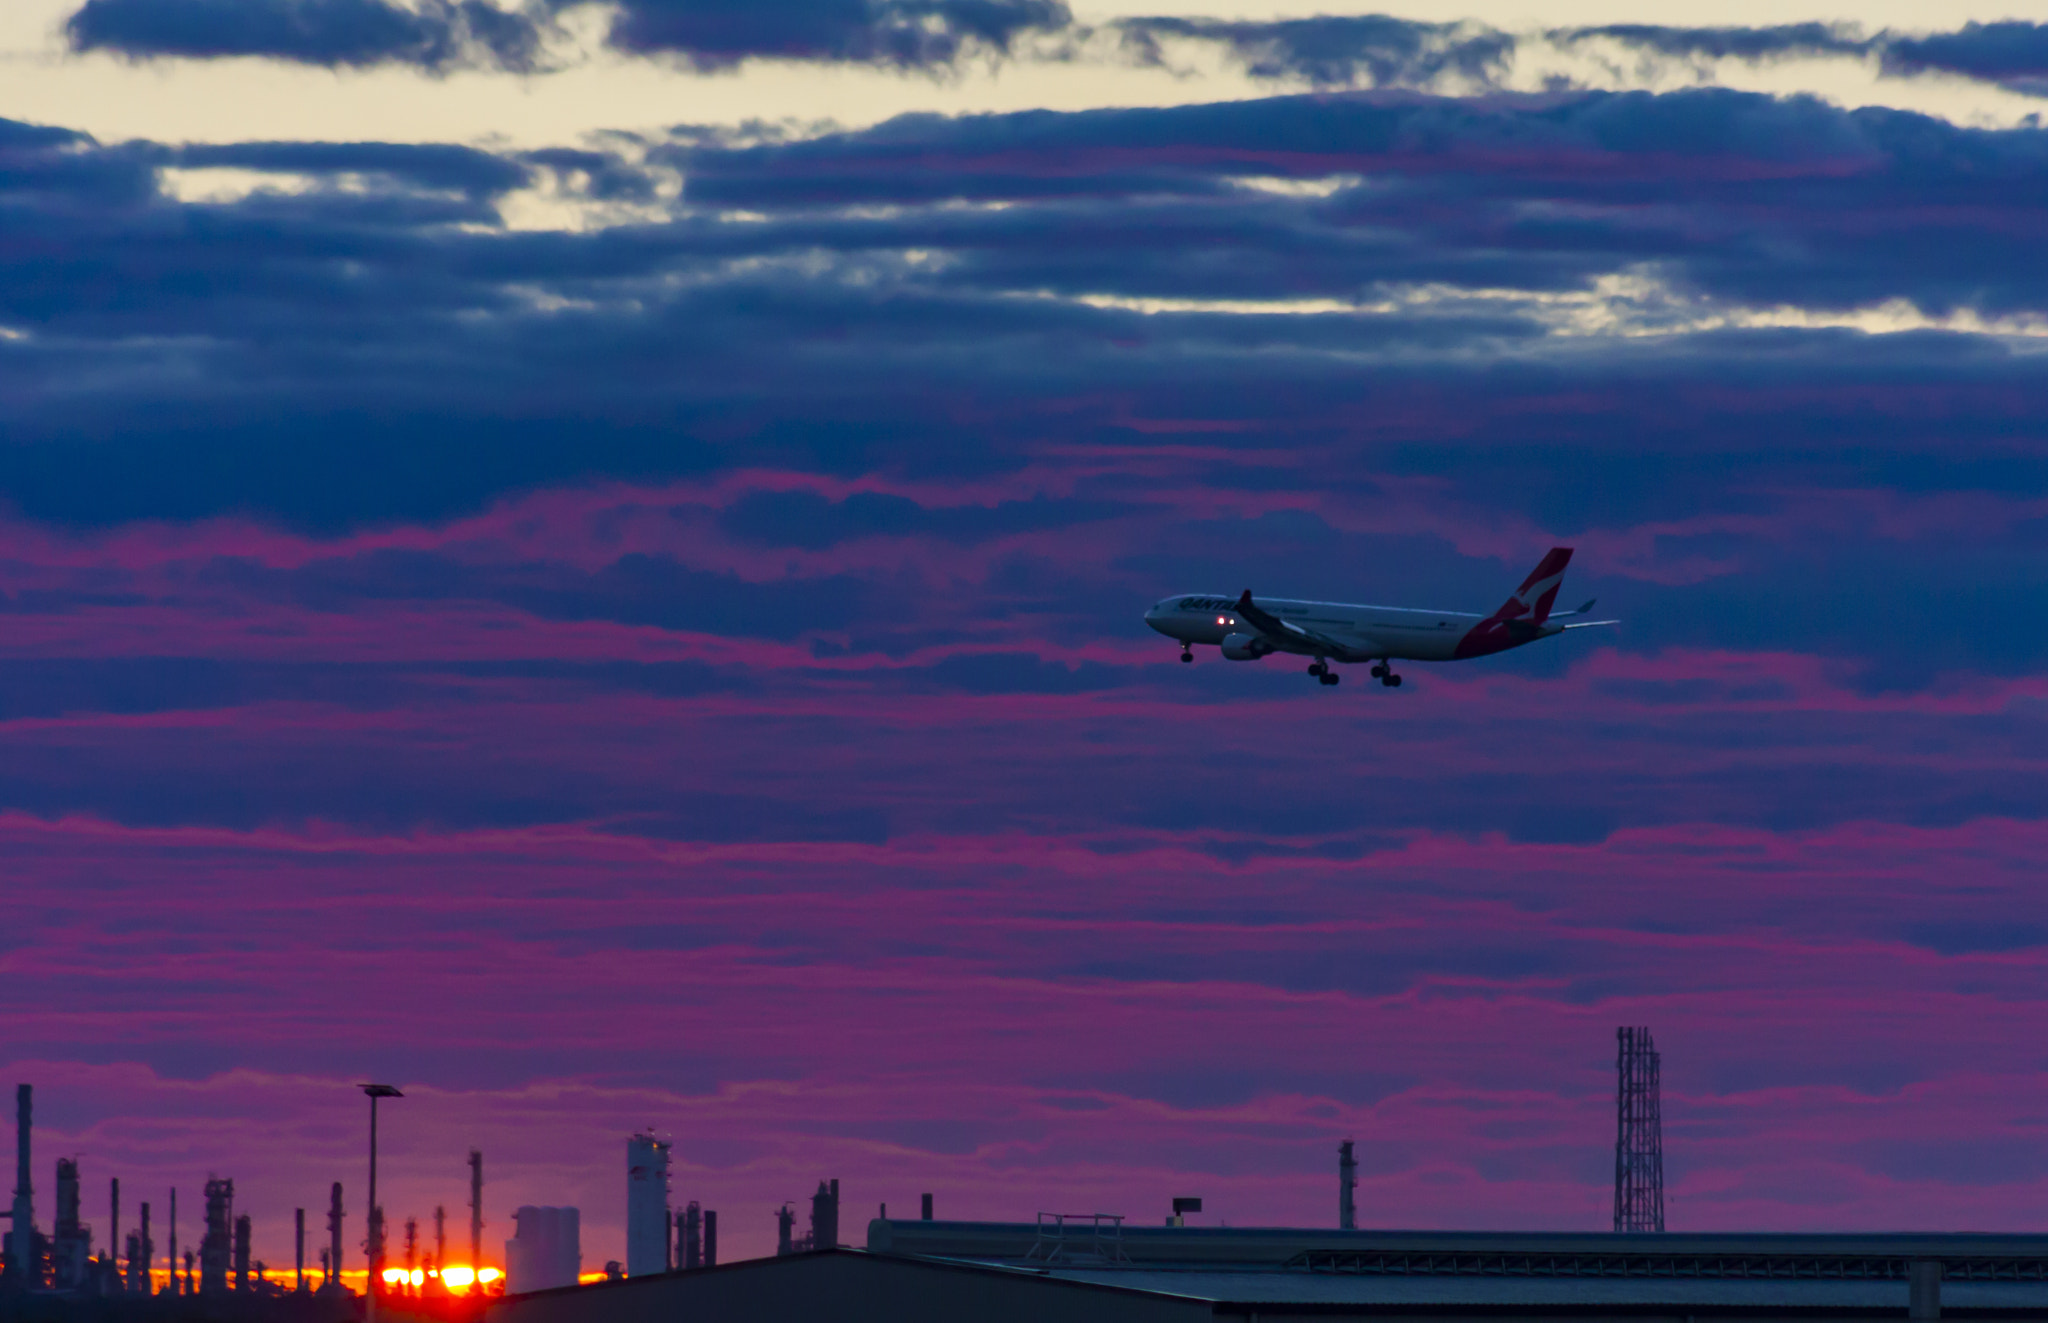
1367,631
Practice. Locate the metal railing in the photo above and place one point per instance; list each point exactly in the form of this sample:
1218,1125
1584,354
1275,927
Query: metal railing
1079,1238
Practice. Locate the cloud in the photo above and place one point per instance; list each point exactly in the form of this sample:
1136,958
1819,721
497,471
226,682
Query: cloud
1796,40
2012,52
438,35
904,34
1369,50
432,34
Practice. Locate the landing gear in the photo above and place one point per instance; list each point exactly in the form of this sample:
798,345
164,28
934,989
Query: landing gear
1329,677
1320,669
1187,652
1384,673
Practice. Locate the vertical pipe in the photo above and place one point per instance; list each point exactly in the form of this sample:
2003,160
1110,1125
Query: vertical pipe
173,1287
299,1249
927,1208
114,1233
142,1278
711,1238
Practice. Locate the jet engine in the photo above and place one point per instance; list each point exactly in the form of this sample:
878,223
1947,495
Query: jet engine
1245,647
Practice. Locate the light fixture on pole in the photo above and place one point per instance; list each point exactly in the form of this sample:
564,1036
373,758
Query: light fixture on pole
373,1245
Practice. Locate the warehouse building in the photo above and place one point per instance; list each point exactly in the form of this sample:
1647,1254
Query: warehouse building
1096,1268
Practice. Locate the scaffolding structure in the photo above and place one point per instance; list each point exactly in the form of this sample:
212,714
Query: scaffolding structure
1639,1134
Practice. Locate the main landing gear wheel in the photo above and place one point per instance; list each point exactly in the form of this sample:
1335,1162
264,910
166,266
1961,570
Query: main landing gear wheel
1379,670
1187,654
1329,677
1319,667
1390,680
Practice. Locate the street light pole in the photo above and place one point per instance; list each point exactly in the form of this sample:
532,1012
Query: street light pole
374,1244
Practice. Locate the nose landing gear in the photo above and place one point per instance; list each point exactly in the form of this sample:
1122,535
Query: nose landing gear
1187,652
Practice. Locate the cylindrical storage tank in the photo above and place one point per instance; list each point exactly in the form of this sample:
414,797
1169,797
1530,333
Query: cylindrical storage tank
569,1246
646,1205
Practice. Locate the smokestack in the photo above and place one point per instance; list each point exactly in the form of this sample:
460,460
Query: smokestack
114,1232
927,1208
299,1248
22,1231
785,1222
711,1238
333,1239
173,1287
1347,1187
476,1216
148,1257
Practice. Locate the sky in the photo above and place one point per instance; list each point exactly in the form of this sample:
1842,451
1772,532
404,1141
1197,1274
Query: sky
587,561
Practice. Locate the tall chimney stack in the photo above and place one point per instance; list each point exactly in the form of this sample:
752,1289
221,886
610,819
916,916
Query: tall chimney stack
1347,1187
476,1216
22,1231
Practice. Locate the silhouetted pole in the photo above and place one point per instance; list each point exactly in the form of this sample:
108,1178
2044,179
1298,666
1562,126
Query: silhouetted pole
373,1245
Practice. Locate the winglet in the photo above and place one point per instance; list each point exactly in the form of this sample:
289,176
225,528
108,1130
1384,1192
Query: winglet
1244,602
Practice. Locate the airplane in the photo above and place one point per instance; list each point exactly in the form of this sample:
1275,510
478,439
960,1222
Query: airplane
1338,632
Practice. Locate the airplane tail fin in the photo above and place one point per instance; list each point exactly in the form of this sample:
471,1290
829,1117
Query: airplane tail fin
1538,593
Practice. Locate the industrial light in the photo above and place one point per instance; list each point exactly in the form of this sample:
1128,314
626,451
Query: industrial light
458,1276
488,1275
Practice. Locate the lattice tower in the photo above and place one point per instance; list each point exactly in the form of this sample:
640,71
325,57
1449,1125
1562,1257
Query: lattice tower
1639,1135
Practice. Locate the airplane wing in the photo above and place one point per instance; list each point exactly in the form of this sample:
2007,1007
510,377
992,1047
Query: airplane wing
1292,637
